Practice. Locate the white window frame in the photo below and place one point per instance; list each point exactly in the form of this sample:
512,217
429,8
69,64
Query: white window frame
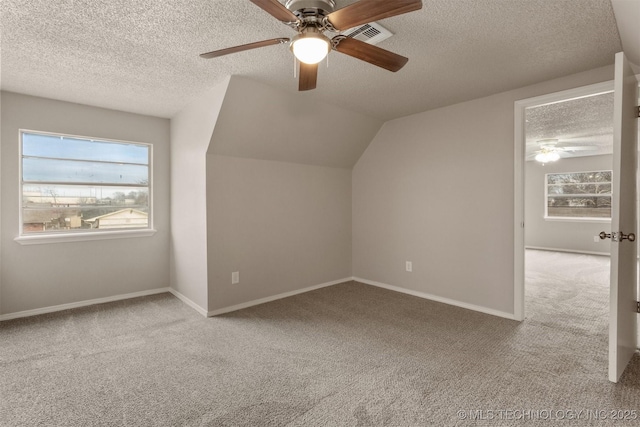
81,235
569,218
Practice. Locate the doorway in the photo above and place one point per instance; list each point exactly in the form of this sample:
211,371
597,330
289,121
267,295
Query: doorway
623,314
567,187
546,134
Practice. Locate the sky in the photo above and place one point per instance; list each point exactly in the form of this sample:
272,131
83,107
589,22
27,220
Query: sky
50,161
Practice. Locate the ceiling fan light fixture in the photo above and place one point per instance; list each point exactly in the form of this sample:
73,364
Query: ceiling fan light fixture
547,156
310,47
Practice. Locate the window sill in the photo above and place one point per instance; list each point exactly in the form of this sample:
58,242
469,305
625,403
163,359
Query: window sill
82,237
576,219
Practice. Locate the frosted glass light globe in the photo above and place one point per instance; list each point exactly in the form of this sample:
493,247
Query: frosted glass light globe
546,157
310,50
553,156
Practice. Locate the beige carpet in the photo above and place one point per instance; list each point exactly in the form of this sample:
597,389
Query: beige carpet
350,355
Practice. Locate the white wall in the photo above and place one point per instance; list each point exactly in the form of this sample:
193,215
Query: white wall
191,132
562,235
38,276
436,188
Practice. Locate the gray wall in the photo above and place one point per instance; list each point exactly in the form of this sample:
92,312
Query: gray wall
38,276
191,131
282,226
417,194
279,192
437,189
258,121
563,235
1,203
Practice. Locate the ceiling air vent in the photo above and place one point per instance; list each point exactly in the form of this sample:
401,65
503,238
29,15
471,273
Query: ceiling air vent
372,33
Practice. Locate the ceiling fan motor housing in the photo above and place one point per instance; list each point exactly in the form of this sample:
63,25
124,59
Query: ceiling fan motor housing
311,8
311,14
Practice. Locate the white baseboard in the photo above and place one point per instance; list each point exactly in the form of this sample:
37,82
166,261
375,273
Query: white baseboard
236,307
539,248
275,297
436,298
187,301
54,308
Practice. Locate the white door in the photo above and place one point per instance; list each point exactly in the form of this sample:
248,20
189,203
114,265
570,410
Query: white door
623,310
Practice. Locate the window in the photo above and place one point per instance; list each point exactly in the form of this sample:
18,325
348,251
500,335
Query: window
579,195
80,185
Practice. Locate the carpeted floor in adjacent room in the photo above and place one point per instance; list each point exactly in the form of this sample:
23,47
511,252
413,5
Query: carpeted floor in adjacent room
350,354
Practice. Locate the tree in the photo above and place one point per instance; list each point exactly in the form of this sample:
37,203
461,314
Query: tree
118,198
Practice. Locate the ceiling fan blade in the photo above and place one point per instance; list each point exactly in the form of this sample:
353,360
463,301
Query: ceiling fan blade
308,76
276,9
240,48
366,11
371,54
581,148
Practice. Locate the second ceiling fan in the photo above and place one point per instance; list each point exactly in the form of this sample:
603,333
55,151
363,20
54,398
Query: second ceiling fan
311,18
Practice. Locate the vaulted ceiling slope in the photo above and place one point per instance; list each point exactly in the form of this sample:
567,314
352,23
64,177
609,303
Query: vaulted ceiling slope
627,13
258,121
142,56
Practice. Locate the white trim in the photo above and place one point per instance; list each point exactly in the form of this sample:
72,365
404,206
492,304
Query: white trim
518,216
571,251
54,308
81,237
188,302
576,219
275,297
217,312
518,170
436,298
568,95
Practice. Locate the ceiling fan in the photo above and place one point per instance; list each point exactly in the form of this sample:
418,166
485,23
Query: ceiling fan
312,18
551,150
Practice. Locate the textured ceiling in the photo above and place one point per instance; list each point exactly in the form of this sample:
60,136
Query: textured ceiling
142,55
582,127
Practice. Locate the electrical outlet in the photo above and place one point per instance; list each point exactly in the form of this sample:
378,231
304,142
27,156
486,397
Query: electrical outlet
409,266
235,277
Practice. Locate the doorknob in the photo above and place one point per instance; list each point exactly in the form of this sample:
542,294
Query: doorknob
618,236
631,237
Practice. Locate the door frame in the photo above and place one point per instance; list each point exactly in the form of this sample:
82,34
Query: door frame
519,177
